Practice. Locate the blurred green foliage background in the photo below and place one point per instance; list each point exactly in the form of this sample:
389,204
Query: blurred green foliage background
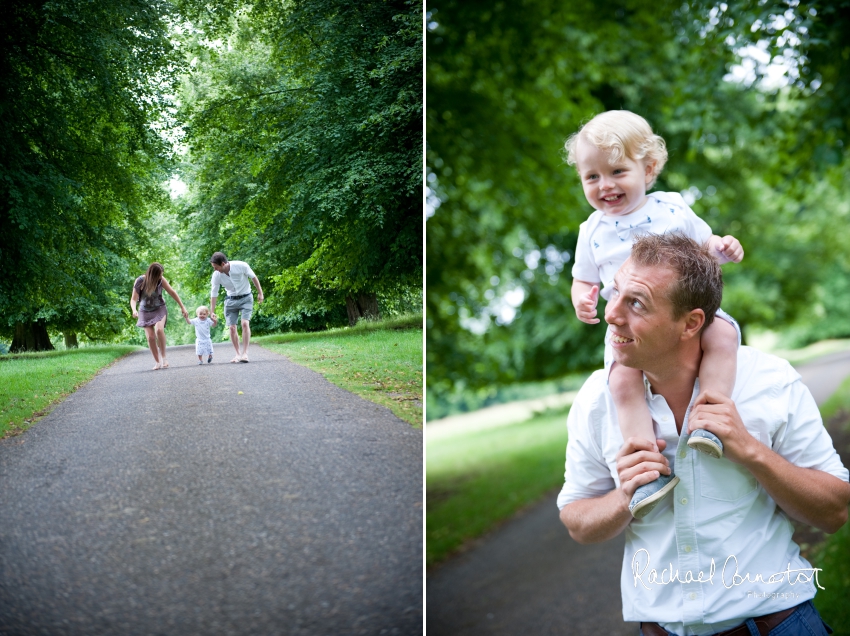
752,99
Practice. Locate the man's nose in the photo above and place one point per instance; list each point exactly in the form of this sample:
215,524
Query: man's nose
612,311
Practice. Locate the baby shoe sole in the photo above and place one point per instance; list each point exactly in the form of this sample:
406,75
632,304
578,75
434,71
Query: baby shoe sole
645,507
706,446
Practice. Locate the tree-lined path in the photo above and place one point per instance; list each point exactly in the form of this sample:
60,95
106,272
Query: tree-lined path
217,499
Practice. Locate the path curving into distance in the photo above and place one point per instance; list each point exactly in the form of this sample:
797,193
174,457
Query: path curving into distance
218,499
530,577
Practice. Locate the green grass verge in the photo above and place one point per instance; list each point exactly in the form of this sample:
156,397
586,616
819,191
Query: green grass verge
839,401
479,479
380,361
33,383
833,557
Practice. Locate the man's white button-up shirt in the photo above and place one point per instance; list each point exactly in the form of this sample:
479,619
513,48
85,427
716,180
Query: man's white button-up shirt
236,283
719,550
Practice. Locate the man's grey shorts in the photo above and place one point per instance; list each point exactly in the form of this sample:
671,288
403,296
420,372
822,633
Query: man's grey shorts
233,307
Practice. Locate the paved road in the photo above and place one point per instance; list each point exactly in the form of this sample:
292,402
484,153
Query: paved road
530,577
168,503
824,375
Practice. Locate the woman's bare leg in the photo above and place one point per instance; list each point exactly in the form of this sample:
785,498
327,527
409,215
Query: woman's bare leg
151,336
160,340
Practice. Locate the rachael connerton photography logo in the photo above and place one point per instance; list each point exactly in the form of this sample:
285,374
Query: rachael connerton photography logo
730,576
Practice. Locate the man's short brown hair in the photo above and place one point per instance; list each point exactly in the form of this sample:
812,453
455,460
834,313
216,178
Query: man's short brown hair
699,281
218,258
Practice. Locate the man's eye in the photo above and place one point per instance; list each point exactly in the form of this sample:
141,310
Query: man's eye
637,304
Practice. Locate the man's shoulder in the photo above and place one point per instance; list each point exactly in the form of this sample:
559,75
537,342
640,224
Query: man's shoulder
594,395
239,265
770,369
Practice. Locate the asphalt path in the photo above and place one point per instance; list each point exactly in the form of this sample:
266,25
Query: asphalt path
218,499
529,577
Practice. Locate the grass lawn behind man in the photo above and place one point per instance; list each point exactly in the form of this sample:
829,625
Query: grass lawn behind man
380,361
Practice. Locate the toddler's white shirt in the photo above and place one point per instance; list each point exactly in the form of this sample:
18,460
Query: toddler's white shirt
605,242
202,328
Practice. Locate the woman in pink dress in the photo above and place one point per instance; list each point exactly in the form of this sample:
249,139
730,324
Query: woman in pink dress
152,313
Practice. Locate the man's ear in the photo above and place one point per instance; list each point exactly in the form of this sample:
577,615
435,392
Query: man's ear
694,321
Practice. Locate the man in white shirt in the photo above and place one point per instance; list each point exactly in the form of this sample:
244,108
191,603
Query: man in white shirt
716,557
235,277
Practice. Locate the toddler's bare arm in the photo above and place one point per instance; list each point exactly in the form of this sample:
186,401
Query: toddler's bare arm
585,298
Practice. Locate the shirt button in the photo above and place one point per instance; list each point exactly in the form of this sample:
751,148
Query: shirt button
682,454
664,418
687,548
683,500
693,596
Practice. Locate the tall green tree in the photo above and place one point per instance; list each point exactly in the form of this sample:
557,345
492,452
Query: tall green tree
507,83
81,166
305,135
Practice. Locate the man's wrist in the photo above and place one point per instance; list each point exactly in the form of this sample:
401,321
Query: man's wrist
755,456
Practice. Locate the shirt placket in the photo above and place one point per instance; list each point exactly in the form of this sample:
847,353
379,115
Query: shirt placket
684,514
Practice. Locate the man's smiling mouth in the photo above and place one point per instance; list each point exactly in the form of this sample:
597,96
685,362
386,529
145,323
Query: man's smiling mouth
620,339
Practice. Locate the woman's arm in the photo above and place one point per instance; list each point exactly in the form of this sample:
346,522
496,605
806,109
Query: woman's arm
176,298
134,298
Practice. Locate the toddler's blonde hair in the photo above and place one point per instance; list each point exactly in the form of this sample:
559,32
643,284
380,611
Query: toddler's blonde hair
204,307
623,134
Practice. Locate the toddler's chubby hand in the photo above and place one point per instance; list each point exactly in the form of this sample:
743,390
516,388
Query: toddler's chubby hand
214,318
728,249
586,306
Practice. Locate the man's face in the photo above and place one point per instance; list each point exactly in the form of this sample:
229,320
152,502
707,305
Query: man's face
644,333
224,268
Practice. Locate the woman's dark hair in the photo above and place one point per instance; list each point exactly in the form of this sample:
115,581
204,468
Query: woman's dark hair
152,278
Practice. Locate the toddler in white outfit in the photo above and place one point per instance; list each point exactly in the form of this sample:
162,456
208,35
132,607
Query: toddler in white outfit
203,343
618,159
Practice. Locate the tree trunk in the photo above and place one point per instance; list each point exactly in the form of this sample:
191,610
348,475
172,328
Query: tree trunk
70,339
31,336
363,306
